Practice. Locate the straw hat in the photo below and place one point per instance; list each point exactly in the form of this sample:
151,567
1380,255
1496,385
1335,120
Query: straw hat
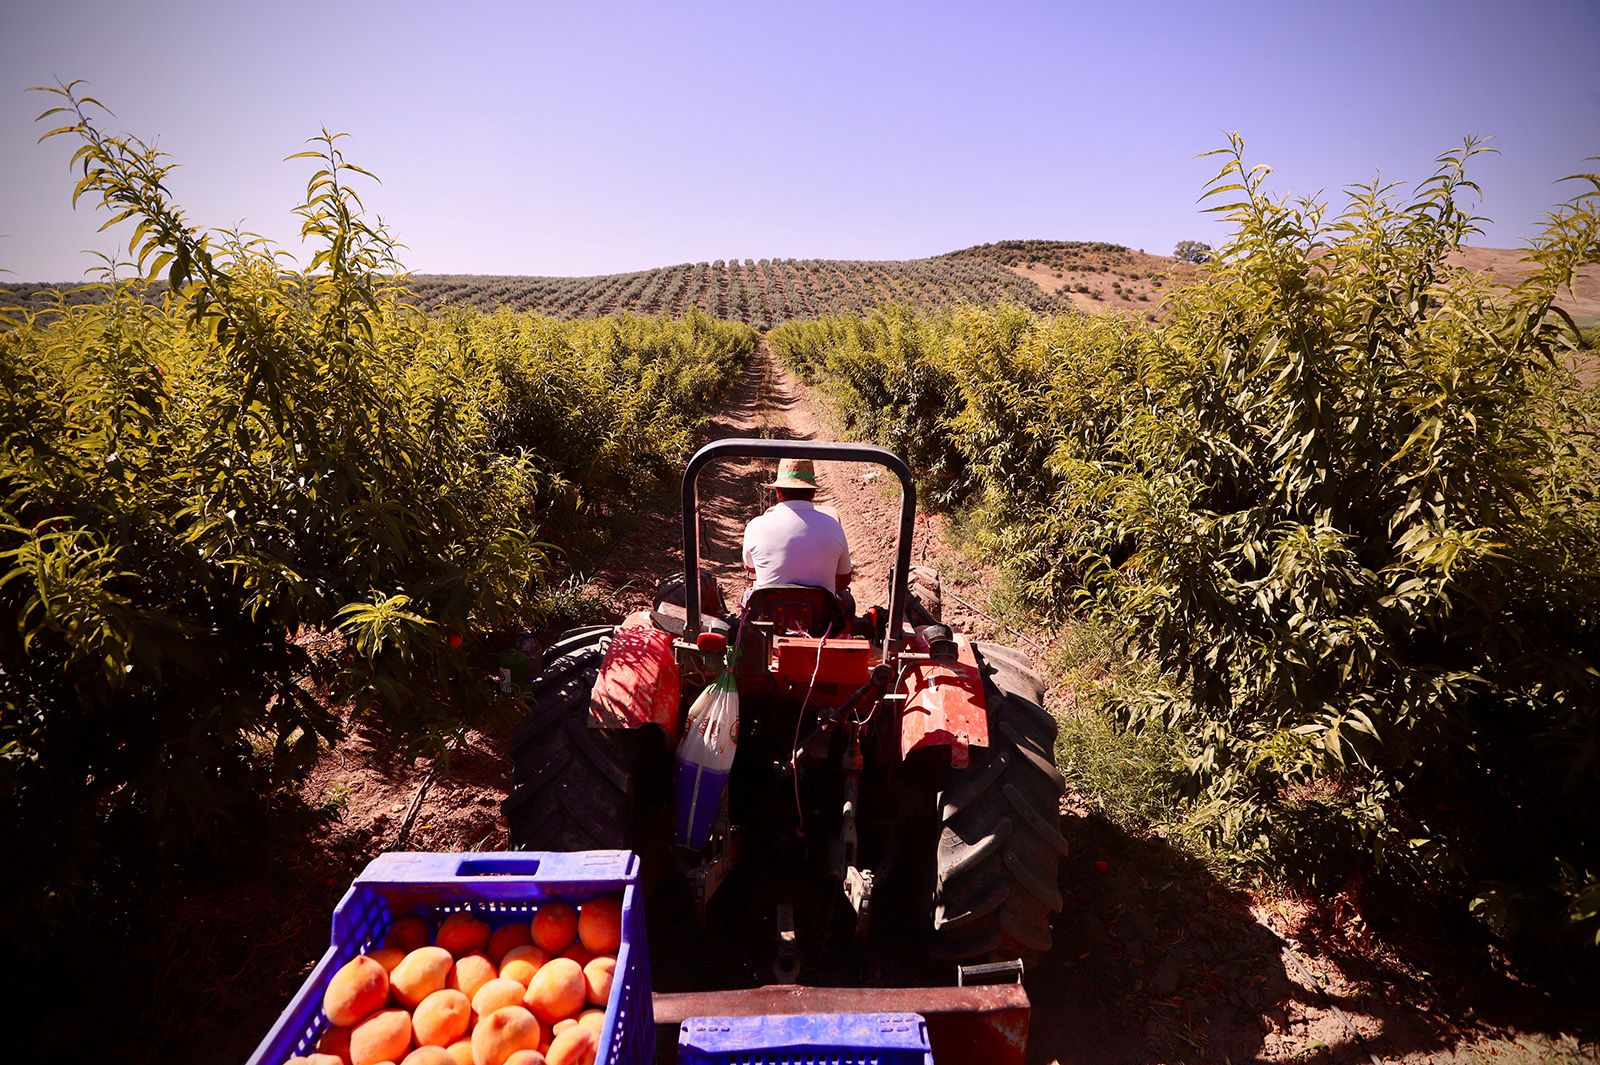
795,473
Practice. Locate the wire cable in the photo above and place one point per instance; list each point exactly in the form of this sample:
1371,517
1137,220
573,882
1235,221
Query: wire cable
794,752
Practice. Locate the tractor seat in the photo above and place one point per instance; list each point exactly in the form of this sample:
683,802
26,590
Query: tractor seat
797,608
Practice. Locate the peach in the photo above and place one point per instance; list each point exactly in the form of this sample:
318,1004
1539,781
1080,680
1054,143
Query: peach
388,957
359,988
471,972
575,1046
497,994
429,1056
460,1052
509,937
314,1059
555,927
579,953
525,1057
384,1036
561,1026
335,1042
442,1018
419,974
557,992
408,933
520,963
595,1019
600,924
461,934
503,1033
597,978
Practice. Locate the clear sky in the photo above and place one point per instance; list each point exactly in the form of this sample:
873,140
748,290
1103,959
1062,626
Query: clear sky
581,138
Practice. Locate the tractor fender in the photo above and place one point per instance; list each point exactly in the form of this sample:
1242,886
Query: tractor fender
945,705
638,683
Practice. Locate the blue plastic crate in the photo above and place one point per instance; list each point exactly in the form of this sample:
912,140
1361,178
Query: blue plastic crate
498,887
806,1039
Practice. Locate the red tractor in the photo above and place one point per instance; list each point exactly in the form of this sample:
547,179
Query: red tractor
894,780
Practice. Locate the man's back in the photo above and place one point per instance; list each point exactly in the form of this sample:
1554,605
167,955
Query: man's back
795,543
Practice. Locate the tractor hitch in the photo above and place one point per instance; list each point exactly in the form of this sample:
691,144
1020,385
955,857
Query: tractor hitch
982,1025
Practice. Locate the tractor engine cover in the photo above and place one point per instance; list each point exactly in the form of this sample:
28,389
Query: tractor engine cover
846,662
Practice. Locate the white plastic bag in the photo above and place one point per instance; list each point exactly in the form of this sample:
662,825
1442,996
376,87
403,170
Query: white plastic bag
704,760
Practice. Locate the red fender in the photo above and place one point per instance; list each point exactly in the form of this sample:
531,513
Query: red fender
638,683
945,705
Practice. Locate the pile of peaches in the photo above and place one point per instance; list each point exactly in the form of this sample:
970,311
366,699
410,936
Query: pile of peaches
526,993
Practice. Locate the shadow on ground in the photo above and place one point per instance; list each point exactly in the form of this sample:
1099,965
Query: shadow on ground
1156,960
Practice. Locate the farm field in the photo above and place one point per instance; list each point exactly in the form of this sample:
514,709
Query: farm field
1309,544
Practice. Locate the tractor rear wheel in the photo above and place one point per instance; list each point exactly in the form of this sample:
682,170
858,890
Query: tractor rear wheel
1000,845
572,785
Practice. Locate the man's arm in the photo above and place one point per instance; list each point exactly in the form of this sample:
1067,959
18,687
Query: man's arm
846,569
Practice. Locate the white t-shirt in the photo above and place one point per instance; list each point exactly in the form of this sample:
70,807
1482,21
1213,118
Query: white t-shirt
795,543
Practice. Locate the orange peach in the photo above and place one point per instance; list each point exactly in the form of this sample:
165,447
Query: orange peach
555,927
419,974
579,953
359,988
600,924
460,1052
509,937
429,1056
520,963
384,1036
575,1046
471,972
408,933
336,1042
597,978
388,957
314,1059
503,1033
442,1018
595,1019
461,934
557,992
497,994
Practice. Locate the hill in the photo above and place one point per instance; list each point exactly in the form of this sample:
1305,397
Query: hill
1044,275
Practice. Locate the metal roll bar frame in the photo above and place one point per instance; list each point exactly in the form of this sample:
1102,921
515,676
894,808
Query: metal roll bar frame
749,447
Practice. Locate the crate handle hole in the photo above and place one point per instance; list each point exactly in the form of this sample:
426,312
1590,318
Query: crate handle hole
507,865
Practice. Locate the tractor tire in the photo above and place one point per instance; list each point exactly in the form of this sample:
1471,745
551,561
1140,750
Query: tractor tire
924,596
572,785
1000,845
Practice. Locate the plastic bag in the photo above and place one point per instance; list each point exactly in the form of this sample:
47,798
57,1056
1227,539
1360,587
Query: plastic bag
704,759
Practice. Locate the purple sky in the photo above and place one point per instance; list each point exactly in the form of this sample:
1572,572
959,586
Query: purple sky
542,138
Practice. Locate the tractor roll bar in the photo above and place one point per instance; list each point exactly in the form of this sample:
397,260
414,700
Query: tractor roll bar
748,447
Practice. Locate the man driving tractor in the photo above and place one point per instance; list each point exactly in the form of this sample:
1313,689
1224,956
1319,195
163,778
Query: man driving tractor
794,541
